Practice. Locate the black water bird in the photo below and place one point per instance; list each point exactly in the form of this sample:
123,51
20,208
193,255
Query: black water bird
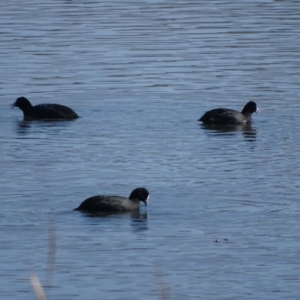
226,116
44,111
114,204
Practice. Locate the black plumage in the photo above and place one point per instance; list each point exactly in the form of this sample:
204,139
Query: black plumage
44,111
110,204
225,116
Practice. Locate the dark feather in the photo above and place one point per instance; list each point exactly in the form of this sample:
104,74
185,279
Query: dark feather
109,204
225,116
44,111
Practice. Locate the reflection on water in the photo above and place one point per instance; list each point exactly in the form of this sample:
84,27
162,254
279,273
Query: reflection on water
23,127
248,131
139,72
35,126
139,220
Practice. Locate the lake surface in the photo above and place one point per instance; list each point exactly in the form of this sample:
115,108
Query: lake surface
223,219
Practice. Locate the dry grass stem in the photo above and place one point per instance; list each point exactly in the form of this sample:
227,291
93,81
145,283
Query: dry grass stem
35,282
38,289
51,254
164,289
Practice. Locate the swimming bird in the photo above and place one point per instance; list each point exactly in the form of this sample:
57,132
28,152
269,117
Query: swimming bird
110,204
226,116
44,111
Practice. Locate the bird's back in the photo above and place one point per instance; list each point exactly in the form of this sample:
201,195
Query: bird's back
52,111
102,203
222,116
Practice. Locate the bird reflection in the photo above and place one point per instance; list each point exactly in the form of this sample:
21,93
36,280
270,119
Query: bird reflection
249,132
139,221
33,126
23,127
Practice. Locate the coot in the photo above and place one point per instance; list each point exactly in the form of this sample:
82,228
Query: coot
44,111
110,204
225,116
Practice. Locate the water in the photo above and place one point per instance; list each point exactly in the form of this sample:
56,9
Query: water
223,219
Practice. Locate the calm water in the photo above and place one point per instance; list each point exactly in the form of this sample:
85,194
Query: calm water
140,73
